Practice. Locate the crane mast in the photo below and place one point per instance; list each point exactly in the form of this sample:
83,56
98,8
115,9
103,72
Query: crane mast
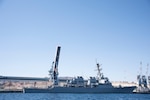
54,70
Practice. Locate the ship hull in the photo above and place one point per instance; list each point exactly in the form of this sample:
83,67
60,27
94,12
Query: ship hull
80,90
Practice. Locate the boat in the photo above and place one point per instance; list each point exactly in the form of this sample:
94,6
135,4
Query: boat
143,82
98,84
142,87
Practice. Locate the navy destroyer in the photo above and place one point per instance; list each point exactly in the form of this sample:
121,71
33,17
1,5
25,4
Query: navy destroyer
99,84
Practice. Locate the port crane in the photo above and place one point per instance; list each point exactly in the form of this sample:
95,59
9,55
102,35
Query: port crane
54,69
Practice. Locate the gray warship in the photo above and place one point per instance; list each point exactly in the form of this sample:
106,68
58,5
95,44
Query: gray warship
99,84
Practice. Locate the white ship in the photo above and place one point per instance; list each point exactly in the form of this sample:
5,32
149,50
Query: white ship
143,82
99,84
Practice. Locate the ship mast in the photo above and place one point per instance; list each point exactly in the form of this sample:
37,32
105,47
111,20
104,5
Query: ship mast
147,70
140,68
99,74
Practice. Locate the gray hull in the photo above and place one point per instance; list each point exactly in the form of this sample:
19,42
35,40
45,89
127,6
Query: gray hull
80,90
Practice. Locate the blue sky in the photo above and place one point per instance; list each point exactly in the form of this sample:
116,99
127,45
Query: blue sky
115,32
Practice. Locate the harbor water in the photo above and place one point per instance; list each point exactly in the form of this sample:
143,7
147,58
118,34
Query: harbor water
61,96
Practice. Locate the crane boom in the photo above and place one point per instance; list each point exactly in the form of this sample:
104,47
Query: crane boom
55,67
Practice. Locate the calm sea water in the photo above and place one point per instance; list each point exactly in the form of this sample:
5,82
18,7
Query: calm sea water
48,96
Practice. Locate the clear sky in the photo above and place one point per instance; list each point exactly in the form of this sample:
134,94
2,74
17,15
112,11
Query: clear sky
115,32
